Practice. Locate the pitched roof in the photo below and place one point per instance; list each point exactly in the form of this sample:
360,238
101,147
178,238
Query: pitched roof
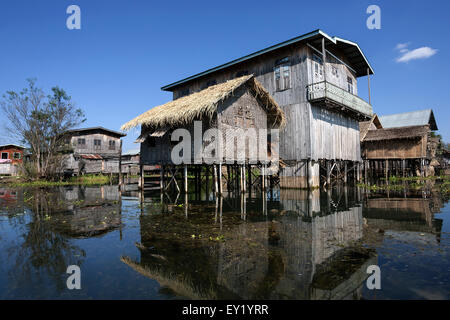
354,54
396,133
203,103
407,119
11,145
115,133
364,126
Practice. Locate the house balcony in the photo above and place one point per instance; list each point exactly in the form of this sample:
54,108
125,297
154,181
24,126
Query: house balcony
328,95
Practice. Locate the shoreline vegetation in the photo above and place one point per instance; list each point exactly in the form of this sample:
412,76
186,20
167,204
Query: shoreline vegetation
79,180
394,183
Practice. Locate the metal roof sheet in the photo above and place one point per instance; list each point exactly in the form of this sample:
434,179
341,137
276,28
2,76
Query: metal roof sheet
351,48
408,119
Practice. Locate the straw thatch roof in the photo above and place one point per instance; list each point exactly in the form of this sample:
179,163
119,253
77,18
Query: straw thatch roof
198,105
364,126
397,133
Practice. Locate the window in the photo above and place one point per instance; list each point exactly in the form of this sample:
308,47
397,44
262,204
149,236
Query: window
97,144
17,155
334,72
318,65
5,155
81,143
350,85
282,73
112,145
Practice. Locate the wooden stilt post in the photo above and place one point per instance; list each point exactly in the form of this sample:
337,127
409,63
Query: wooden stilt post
228,178
244,180
358,171
403,167
386,169
263,178
216,186
141,177
120,164
328,173
249,178
241,180
220,178
345,172
161,182
185,178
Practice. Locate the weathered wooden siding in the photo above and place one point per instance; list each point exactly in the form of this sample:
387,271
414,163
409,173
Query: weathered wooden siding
334,136
89,147
395,149
300,139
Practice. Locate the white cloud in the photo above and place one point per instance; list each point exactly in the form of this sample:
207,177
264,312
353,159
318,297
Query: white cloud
401,46
419,53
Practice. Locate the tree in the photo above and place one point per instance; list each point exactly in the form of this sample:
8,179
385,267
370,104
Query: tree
40,122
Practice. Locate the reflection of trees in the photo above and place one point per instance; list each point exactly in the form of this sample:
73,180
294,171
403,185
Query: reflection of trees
56,215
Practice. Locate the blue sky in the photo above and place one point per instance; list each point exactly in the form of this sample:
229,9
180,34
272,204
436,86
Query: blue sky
126,50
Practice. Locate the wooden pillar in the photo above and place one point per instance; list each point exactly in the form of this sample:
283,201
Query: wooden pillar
345,172
141,177
216,186
220,178
328,173
386,169
244,180
403,167
263,179
161,182
185,178
249,177
228,178
120,164
358,171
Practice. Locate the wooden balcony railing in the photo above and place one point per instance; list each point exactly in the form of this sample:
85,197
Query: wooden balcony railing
327,91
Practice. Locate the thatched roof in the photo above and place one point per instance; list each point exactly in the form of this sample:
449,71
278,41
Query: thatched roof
364,126
198,105
396,133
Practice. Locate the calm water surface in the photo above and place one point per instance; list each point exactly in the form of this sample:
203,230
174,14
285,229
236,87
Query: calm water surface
292,244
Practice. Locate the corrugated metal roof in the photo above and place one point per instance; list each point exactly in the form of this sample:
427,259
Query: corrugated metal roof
117,133
408,119
132,152
351,49
92,156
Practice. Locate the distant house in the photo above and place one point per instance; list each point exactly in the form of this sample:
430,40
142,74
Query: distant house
95,150
399,143
11,157
130,162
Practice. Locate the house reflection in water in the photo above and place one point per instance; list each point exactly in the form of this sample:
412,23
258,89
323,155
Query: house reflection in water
305,247
90,211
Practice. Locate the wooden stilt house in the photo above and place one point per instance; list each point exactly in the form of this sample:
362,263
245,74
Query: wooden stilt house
241,103
399,145
313,78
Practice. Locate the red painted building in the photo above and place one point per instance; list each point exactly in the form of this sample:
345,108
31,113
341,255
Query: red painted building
11,156
12,152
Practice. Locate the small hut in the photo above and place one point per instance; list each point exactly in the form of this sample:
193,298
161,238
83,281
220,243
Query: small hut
398,144
241,103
